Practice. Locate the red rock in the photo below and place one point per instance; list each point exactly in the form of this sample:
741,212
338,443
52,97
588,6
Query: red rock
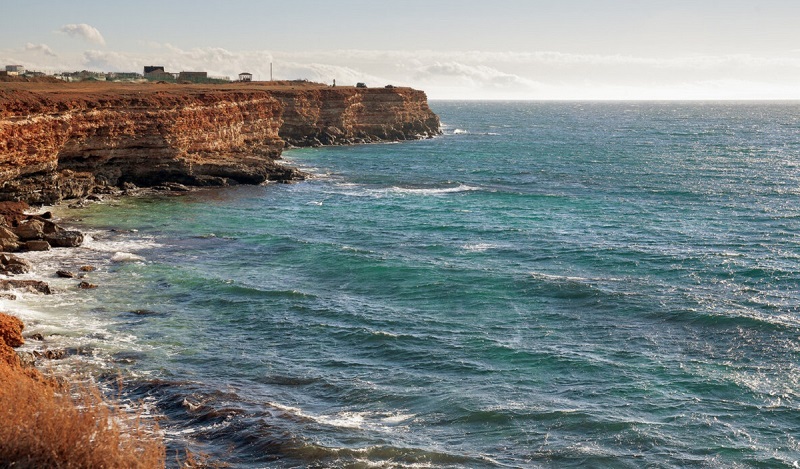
11,330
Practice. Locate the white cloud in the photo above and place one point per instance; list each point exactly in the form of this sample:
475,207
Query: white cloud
477,74
41,48
84,31
467,74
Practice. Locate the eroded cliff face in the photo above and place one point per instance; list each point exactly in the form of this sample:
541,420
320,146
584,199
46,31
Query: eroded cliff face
59,142
337,116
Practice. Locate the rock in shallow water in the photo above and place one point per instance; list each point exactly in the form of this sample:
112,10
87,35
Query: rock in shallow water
37,245
14,265
31,286
65,239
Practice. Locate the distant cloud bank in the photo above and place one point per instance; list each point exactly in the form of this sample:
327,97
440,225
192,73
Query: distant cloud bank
535,75
84,31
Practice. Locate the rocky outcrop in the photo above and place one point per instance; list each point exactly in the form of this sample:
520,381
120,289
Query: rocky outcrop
30,232
62,141
336,116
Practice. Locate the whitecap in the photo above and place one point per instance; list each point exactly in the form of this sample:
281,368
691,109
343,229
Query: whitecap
373,420
558,278
394,190
434,191
460,132
569,278
478,247
126,257
101,242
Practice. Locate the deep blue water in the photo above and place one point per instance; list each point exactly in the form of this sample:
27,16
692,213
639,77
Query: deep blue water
545,285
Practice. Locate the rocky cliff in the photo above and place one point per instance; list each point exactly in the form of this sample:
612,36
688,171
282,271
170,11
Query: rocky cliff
335,116
60,141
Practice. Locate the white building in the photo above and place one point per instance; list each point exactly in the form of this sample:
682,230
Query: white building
15,69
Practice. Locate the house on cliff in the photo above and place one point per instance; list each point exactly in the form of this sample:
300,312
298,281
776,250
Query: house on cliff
244,76
14,70
160,75
193,77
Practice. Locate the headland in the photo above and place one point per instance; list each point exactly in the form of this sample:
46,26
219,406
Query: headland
69,140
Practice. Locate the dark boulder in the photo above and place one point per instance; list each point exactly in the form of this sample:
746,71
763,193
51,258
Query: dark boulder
31,286
29,230
65,239
14,265
36,245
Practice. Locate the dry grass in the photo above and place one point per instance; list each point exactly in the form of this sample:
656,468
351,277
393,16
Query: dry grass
46,425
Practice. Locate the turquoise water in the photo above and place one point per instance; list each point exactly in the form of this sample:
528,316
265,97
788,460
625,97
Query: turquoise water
545,285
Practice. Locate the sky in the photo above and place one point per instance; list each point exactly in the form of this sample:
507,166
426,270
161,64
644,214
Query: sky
464,49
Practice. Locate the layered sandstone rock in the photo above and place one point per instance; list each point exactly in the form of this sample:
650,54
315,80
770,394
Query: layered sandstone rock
334,116
60,141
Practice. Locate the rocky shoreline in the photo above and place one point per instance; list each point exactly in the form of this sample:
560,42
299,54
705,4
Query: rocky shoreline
24,230
21,232
90,142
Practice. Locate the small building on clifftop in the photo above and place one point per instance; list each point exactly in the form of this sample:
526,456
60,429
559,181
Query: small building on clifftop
13,70
193,77
244,76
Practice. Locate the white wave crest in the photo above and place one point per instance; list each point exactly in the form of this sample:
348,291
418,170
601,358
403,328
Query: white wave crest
102,242
372,420
434,191
478,247
395,190
126,257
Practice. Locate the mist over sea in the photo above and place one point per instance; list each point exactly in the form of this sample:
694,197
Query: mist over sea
545,285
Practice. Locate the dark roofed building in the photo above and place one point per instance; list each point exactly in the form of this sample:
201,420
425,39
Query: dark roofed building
152,68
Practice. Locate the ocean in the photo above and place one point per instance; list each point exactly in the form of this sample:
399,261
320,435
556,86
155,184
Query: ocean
546,285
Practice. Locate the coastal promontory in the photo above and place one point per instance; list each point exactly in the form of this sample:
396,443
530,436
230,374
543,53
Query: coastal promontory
64,140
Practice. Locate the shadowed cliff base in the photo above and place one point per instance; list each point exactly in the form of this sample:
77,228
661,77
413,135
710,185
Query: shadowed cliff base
69,140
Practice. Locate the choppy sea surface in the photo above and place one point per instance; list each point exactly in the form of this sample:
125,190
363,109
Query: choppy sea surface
545,285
